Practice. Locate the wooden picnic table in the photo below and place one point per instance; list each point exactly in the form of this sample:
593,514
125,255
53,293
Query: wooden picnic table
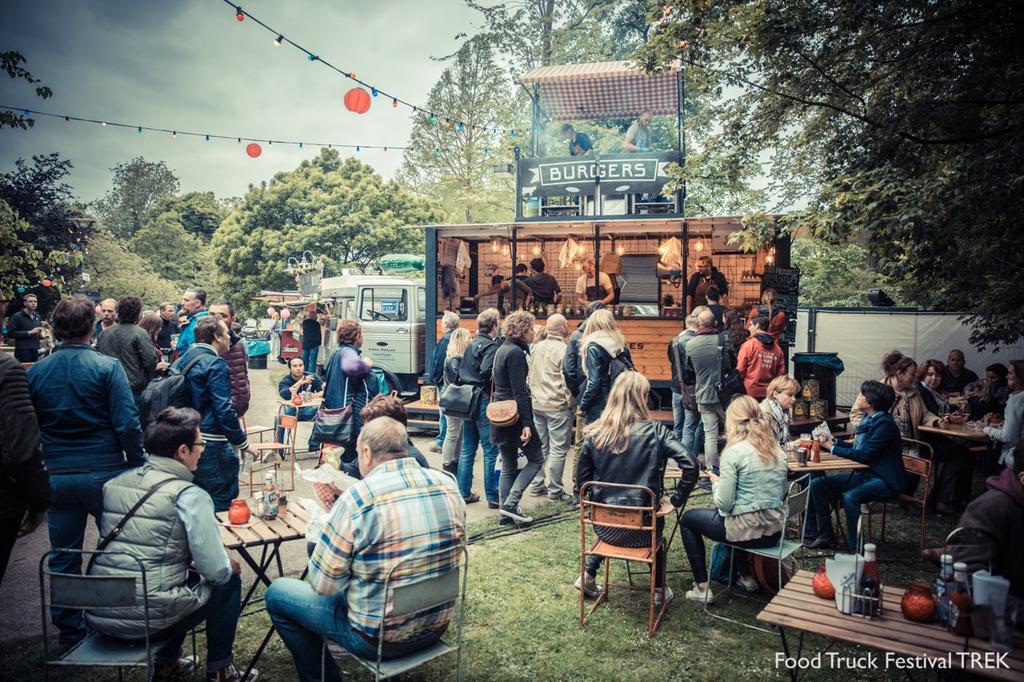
955,431
796,607
828,463
839,419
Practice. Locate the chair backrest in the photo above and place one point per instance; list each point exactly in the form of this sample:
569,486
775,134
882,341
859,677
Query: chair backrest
797,498
287,421
618,515
429,592
919,465
76,591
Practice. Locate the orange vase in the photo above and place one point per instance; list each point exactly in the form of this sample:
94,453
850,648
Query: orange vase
821,585
238,512
918,604
297,401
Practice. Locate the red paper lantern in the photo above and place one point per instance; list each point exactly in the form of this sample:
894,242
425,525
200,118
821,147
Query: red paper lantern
47,283
357,100
253,149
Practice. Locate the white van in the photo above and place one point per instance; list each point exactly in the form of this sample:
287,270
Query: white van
392,311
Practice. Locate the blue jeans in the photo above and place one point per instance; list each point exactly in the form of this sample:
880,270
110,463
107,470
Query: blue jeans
304,618
853,488
76,497
697,524
478,432
220,613
306,414
309,356
442,426
217,473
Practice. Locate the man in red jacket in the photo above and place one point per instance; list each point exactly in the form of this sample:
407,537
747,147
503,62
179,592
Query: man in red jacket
236,357
760,359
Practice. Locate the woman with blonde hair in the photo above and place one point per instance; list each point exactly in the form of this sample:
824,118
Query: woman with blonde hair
777,406
777,318
624,445
602,343
749,496
452,445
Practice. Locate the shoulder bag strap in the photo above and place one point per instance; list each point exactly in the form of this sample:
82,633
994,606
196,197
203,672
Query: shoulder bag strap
116,530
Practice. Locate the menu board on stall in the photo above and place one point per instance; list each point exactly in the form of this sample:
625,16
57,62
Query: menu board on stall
574,175
786,282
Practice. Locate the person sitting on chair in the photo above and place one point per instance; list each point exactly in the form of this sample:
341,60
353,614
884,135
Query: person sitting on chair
878,444
626,446
174,534
295,383
749,497
398,511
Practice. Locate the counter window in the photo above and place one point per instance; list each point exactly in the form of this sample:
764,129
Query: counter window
384,304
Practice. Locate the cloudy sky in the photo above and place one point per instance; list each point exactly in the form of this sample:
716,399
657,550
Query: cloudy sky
189,65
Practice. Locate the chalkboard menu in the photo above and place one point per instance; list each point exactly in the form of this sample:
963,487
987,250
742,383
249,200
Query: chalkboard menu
786,282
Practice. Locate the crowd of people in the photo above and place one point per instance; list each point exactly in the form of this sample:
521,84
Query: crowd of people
79,442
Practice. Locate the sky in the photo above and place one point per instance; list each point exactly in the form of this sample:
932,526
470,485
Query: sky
189,65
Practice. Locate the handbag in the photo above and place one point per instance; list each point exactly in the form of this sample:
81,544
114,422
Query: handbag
460,401
336,425
502,413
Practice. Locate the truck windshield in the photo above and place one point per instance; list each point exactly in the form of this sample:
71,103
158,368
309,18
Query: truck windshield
383,304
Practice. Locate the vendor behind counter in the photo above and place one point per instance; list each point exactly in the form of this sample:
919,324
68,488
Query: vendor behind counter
706,276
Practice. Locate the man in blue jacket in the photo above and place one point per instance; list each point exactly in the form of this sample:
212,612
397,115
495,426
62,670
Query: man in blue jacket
90,433
877,444
209,384
449,323
193,304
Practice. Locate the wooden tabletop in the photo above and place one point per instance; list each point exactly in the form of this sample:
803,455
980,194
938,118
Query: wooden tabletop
829,462
955,431
796,607
288,526
838,419
315,402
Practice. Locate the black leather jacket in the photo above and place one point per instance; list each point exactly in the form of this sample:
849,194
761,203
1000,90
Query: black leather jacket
572,367
452,363
478,362
599,381
510,369
651,444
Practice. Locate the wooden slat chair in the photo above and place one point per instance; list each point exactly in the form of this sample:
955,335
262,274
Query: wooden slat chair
408,599
641,519
919,466
255,429
289,424
796,502
96,593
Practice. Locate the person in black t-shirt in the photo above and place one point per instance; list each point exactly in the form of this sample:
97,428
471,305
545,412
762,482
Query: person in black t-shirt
579,143
169,328
545,287
312,337
706,276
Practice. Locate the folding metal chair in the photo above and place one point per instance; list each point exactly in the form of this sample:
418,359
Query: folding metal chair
289,424
915,465
406,600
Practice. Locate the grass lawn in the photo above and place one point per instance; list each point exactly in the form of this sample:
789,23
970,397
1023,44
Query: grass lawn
521,619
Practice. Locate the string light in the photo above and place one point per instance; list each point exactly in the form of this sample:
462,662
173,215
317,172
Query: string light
174,133
241,15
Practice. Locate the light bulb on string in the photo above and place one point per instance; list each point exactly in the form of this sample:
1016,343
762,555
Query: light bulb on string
278,40
138,131
373,91
394,103
311,57
104,124
174,133
494,246
207,138
461,127
357,148
620,249
536,249
239,14
432,119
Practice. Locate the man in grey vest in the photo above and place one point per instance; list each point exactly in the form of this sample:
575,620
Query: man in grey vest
174,534
704,351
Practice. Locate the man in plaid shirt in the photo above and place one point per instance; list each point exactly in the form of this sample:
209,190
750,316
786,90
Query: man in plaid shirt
398,511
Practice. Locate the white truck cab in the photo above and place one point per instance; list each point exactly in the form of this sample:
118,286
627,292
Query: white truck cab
391,311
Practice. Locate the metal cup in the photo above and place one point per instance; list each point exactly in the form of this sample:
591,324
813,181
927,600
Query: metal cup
801,456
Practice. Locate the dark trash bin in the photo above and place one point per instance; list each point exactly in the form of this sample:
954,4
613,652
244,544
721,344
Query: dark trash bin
257,362
824,367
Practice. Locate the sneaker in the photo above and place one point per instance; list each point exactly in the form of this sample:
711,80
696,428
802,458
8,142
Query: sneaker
505,521
561,496
662,595
230,673
695,594
271,456
491,504
823,541
589,586
183,668
471,498
748,584
452,469
538,490
513,512
435,448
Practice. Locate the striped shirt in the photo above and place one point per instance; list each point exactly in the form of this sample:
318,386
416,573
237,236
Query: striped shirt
400,510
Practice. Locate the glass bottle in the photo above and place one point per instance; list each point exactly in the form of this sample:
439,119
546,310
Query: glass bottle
269,498
960,603
870,586
944,587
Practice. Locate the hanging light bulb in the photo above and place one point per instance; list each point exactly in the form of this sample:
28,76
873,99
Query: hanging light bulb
239,14
494,246
699,246
578,266
104,124
278,40
504,249
536,249
620,249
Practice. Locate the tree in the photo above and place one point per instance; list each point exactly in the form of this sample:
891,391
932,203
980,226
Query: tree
835,274
453,164
341,210
170,251
135,189
899,125
48,228
114,271
11,62
199,213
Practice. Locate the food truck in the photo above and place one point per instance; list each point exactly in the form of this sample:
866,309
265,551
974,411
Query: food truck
613,211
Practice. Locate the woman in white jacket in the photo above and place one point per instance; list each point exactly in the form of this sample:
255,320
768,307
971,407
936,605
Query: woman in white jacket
1009,434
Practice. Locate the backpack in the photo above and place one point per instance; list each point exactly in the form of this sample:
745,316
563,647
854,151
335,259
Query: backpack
170,390
619,364
730,383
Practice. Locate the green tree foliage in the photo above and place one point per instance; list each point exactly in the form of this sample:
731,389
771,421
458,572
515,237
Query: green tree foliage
170,251
11,63
199,213
898,124
136,188
114,271
38,195
20,257
835,274
341,210
453,165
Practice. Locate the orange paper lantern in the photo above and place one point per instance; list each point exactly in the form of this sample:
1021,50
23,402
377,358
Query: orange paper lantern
357,100
253,149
